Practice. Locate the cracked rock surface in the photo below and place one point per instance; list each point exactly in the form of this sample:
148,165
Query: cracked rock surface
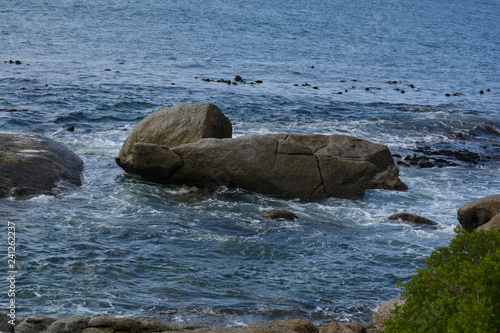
292,166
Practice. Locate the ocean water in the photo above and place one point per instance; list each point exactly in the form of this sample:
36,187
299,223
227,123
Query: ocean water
123,246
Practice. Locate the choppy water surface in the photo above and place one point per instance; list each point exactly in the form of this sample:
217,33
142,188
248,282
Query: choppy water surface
122,246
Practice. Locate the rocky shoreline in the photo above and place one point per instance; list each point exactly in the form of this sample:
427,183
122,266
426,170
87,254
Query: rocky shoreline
102,324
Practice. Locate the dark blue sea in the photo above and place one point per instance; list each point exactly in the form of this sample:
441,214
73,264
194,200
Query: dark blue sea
122,246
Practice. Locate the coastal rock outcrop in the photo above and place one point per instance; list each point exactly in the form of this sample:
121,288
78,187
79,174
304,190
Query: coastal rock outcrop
412,219
32,165
102,324
478,212
293,166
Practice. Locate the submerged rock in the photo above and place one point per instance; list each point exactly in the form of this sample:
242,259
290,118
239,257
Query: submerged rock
413,219
293,166
276,214
32,165
478,212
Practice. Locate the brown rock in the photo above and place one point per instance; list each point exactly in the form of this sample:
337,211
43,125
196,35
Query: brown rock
478,212
331,327
384,312
118,324
178,125
352,327
68,325
34,324
32,165
493,224
98,330
155,162
388,180
293,166
154,326
413,219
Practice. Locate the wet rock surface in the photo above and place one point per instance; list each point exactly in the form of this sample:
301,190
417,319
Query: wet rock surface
291,166
412,219
425,157
32,165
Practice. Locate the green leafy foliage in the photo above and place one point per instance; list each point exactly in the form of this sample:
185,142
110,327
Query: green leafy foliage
458,291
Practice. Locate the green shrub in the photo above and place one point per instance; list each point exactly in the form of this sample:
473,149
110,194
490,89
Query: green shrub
458,291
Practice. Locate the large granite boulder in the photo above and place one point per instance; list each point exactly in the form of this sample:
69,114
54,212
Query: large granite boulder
478,212
293,166
32,165
177,125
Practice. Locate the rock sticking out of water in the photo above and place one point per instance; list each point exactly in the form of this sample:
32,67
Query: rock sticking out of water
426,157
276,214
412,219
190,144
32,165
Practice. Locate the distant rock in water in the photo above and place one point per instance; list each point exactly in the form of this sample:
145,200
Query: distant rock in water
478,212
32,165
276,214
190,144
413,219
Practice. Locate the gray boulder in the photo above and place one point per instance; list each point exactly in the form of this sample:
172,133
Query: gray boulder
279,214
32,165
292,166
178,125
478,212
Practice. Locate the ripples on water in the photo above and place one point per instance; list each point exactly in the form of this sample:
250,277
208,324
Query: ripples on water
122,246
